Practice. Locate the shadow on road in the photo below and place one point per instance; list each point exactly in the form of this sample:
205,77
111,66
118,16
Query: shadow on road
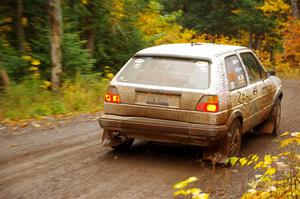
253,143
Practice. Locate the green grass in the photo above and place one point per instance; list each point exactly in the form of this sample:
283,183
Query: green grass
29,100
292,75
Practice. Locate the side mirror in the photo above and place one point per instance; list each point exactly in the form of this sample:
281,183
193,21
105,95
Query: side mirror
271,73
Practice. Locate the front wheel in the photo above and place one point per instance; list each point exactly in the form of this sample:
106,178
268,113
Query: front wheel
272,124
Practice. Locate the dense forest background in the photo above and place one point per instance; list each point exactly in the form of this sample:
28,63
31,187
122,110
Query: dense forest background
56,56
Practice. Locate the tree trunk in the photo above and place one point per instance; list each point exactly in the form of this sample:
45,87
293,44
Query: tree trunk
90,33
4,77
56,38
90,45
295,9
256,41
250,42
19,27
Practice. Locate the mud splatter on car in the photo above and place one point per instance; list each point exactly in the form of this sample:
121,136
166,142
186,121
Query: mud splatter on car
206,95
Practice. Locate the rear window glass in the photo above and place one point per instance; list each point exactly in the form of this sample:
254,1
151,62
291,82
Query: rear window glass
171,72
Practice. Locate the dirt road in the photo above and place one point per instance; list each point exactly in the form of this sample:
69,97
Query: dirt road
66,161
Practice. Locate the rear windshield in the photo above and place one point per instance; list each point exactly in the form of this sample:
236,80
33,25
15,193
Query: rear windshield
171,72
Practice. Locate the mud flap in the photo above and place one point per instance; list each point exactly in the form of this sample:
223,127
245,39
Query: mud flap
106,142
266,127
218,154
108,139
269,124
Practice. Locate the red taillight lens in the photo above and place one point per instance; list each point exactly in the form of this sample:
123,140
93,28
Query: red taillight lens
208,104
112,98
112,95
108,98
212,108
116,99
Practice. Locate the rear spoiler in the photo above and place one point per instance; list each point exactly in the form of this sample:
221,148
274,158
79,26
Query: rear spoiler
173,56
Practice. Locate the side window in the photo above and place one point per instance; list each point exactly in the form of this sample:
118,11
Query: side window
262,70
252,66
235,74
263,73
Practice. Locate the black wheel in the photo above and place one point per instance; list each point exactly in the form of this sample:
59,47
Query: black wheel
124,146
229,148
234,139
276,117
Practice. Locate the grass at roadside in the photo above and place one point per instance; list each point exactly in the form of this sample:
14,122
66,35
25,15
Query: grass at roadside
30,98
292,74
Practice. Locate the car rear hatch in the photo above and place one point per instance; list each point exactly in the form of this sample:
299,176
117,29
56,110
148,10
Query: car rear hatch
163,88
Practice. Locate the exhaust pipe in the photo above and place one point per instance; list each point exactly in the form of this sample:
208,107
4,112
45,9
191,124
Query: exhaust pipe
120,138
114,139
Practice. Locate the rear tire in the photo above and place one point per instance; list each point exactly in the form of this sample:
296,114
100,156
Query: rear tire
234,139
229,148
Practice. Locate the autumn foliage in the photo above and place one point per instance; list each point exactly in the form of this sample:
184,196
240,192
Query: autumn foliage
104,34
277,48
292,42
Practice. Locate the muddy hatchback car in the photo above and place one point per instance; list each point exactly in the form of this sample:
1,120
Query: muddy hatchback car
206,95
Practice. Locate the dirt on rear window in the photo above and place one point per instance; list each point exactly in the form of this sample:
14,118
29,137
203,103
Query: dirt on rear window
169,72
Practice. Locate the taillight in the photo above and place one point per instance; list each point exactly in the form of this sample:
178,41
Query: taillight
112,95
208,104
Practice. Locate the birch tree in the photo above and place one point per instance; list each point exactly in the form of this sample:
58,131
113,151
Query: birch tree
56,35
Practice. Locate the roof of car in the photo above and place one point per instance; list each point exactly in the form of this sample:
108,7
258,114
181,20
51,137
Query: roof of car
199,50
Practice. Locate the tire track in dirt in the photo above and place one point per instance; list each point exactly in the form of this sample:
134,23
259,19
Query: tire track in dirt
41,159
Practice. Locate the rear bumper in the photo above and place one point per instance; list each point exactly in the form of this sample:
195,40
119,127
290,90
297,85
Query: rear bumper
164,130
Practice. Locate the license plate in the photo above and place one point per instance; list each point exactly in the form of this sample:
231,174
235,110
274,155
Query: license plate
158,100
